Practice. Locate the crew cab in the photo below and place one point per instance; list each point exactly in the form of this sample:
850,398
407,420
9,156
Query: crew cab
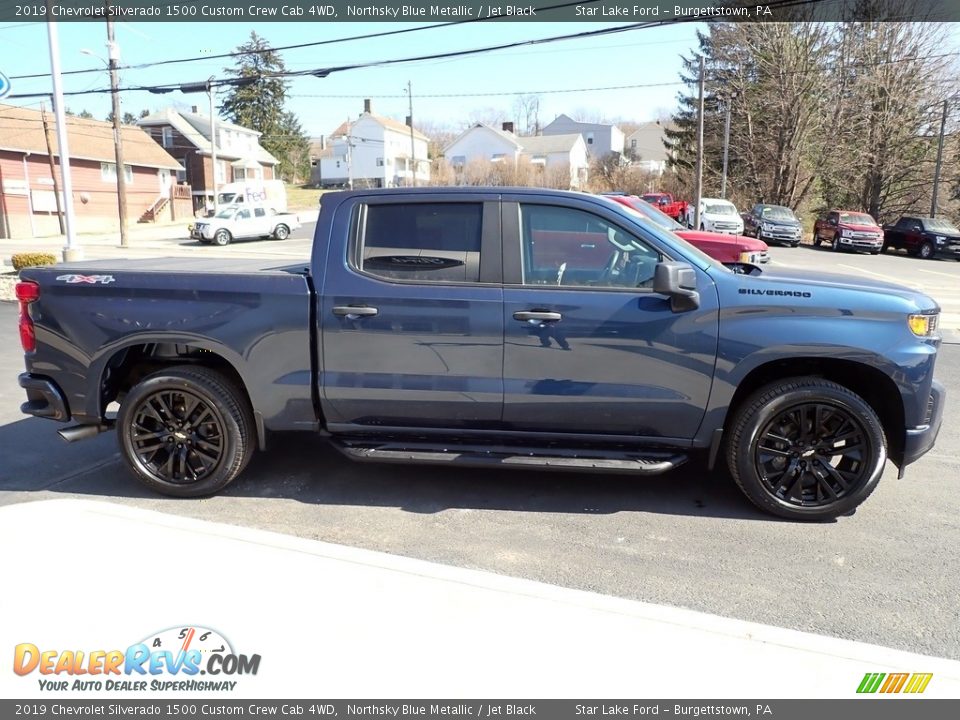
731,250
772,223
237,222
494,327
923,237
848,230
667,204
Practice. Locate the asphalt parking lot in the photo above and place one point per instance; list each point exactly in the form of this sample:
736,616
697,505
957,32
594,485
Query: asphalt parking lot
886,575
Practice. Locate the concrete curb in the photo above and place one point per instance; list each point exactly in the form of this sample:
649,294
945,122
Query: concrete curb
416,628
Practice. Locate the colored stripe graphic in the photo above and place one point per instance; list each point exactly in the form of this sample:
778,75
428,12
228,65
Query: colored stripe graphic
895,682
870,682
918,683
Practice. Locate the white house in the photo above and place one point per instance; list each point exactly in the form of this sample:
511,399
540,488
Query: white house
558,153
373,151
644,146
601,139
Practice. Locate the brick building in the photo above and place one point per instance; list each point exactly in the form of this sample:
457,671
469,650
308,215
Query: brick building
28,206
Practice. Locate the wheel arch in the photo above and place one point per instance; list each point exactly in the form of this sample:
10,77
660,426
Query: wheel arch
119,369
873,385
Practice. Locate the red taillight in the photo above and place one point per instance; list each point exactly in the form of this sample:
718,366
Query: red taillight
27,292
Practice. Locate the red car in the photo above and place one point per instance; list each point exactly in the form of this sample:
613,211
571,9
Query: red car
848,230
728,249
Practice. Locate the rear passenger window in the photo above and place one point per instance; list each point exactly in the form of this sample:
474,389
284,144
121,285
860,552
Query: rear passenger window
434,242
259,212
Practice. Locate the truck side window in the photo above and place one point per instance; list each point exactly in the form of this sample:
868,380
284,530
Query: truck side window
565,247
438,242
242,215
259,212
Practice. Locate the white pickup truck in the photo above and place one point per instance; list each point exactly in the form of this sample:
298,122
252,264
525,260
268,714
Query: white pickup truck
235,223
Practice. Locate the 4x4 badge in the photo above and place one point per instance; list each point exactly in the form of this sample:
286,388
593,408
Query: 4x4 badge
88,279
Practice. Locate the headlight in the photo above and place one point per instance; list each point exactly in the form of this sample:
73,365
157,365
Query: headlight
923,325
768,227
941,239
746,257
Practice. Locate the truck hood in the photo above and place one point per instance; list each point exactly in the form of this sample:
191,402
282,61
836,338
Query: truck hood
812,280
860,228
741,242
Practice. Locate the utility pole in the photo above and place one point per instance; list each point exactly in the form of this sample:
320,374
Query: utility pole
936,172
53,171
413,147
72,251
699,193
349,160
113,55
726,147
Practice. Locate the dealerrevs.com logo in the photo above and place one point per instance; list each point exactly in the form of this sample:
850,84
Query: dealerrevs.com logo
176,659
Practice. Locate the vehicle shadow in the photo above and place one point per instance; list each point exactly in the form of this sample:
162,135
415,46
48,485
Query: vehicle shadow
306,469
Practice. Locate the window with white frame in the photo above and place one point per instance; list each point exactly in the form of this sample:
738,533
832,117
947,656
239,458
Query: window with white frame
379,162
108,172
239,174
589,138
498,157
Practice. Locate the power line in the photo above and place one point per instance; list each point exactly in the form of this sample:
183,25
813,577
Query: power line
298,46
495,94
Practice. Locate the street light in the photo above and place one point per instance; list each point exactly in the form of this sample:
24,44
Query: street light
208,87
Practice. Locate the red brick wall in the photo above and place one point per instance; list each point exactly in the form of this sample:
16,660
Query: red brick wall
94,199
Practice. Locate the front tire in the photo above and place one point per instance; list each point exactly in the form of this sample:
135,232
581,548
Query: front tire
222,238
926,250
816,239
186,431
806,449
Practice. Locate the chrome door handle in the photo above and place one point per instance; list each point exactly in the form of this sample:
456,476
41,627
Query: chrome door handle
537,315
354,311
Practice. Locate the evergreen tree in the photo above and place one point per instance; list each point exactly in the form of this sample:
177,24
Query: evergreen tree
259,106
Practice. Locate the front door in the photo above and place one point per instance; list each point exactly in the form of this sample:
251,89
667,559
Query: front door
163,177
411,315
589,347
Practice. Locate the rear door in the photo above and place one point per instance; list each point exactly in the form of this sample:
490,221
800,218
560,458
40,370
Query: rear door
411,313
589,347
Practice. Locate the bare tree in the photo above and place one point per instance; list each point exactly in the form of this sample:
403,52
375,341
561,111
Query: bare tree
526,109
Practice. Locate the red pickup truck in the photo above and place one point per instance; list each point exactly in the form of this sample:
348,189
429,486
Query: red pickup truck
848,230
665,203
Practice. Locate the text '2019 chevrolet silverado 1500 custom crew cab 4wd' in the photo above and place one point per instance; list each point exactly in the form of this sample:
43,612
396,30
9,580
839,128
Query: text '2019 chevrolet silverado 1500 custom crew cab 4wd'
498,327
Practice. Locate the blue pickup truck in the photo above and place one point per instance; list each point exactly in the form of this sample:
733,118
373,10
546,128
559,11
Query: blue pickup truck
508,328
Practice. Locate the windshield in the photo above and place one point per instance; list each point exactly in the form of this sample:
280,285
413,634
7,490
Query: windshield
777,212
716,208
940,225
229,198
856,219
226,214
639,218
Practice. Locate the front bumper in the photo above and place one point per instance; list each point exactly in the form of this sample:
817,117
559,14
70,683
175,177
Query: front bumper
921,439
44,398
860,243
779,236
947,251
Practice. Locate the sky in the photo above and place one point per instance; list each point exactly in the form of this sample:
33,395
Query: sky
578,67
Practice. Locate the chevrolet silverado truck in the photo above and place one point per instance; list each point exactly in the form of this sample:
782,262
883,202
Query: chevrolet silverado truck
237,222
848,230
505,328
923,237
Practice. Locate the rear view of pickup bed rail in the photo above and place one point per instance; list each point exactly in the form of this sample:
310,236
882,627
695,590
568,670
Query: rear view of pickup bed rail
505,328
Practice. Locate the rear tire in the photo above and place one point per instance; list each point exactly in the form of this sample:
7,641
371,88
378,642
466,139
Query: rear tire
806,449
186,431
281,232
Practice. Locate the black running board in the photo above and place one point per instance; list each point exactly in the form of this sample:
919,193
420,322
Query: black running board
610,461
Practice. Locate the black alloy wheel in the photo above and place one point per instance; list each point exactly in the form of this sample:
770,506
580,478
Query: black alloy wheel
806,449
186,431
177,436
812,454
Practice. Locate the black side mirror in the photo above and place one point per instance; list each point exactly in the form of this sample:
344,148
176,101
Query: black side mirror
679,281
833,221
